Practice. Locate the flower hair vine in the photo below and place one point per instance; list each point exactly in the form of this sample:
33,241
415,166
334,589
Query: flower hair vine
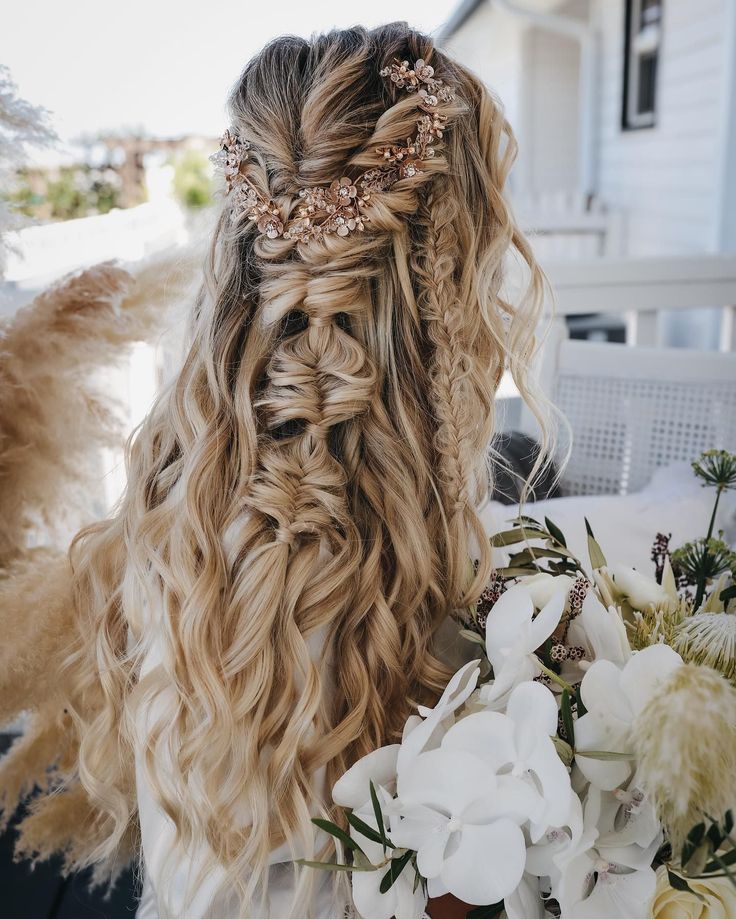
341,207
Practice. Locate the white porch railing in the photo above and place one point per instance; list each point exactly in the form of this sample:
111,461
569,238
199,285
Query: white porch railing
639,290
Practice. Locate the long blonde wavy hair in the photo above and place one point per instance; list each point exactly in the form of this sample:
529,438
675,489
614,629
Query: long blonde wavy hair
313,474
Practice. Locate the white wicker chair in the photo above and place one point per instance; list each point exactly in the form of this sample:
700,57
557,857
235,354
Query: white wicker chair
632,410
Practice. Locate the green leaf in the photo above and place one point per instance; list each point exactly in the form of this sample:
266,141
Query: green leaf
556,532
332,866
532,553
582,710
529,523
725,596
728,858
509,537
378,814
486,912
472,636
692,843
679,883
597,558
329,827
516,571
367,831
395,869
603,754
567,719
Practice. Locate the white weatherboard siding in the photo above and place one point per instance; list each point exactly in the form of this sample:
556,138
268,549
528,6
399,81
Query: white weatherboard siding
666,179
489,42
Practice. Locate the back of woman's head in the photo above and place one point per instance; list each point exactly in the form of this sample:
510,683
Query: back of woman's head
301,507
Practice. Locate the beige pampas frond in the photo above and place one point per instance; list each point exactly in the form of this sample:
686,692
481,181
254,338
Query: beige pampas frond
51,424
52,418
685,745
67,823
36,617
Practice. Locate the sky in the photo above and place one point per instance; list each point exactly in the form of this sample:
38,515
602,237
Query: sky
163,66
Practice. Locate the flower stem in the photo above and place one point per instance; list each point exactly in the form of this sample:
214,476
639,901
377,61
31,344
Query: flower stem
715,511
555,677
701,583
729,874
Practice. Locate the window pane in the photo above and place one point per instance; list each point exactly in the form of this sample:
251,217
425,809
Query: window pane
647,81
650,12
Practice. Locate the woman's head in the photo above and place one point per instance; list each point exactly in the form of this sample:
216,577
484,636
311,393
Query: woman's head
301,507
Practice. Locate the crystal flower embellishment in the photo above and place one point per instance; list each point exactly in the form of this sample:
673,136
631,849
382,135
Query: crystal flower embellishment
340,208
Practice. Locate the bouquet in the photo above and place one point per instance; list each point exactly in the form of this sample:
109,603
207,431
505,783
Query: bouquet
584,766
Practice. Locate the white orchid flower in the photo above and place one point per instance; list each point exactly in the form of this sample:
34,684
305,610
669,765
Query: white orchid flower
614,697
526,901
604,875
641,591
513,634
601,632
519,744
425,732
403,900
543,586
464,823
353,788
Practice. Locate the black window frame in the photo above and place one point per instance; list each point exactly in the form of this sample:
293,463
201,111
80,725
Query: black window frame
631,119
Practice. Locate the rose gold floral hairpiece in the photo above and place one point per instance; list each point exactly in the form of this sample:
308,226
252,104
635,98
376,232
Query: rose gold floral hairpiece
341,207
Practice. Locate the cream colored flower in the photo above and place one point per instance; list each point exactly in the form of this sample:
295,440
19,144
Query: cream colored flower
684,740
718,893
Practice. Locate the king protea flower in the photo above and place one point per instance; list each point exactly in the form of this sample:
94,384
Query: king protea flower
709,639
684,741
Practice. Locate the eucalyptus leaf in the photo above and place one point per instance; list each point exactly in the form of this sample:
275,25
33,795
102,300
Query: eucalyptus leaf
334,830
509,537
362,827
603,754
395,869
472,636
567,719
378,814
535,552
332,866
679,883
597,558
556,532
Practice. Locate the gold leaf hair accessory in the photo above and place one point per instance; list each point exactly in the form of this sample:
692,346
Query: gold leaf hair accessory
340,208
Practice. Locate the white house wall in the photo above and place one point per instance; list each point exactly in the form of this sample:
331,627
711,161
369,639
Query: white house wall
666,179
490,43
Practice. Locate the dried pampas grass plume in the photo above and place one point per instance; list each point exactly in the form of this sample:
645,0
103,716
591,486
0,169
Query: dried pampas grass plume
685,745
52,417
52,422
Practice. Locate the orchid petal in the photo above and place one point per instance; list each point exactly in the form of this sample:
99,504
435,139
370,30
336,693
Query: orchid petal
446,780
488,863
617,895
533,709
547,620
601,692
645,672
507,618
591,733
353,788
460,687
488,735
526,901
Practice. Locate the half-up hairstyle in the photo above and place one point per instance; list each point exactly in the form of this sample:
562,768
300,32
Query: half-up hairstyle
301,508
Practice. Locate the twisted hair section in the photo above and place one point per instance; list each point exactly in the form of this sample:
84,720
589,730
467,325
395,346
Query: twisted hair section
302,502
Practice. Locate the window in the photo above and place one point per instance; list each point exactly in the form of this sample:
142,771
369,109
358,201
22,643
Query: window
641,62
